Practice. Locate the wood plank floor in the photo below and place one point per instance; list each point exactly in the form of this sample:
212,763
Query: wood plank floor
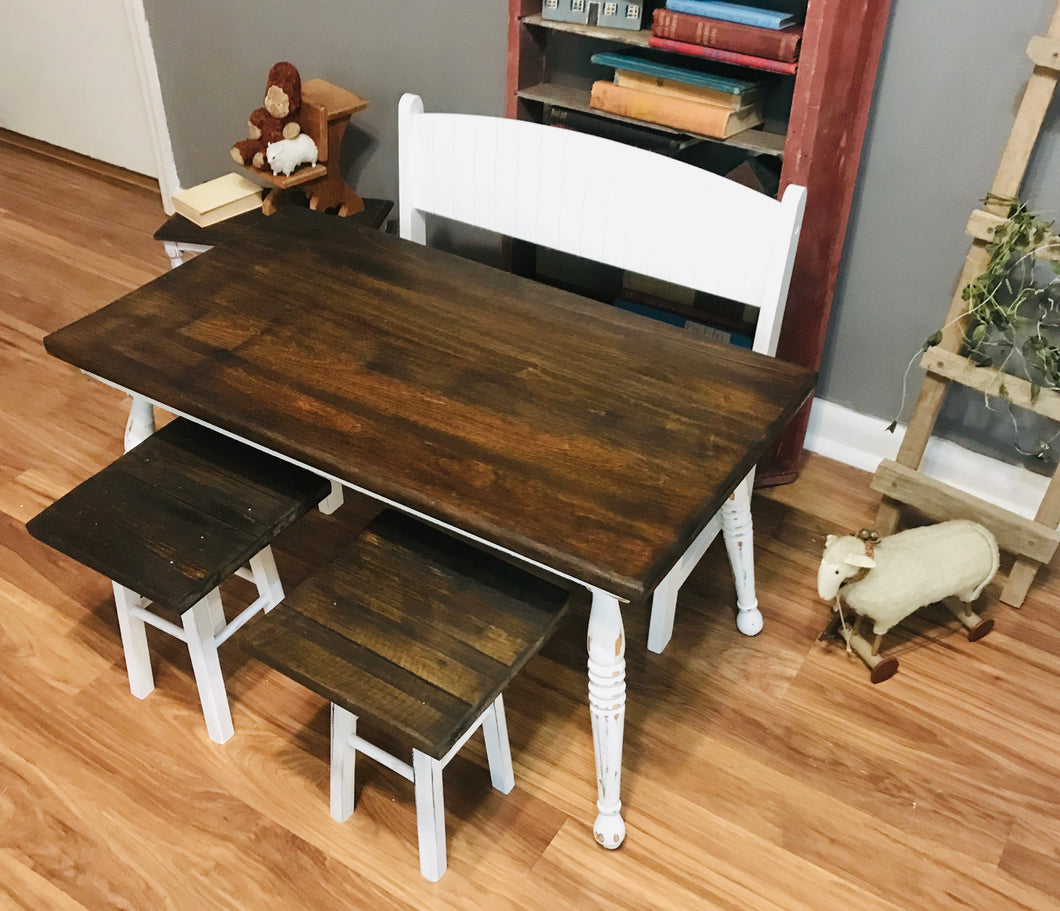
763,773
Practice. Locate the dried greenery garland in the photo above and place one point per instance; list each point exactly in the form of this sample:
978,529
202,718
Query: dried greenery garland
1013,312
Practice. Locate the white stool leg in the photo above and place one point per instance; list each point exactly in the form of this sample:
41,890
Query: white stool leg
216,613
430,814
663,611
736,528
332,501
343,762
498,748
133,641
266,578
198,627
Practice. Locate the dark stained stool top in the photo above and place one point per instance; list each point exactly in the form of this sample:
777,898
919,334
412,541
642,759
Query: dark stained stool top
179,229
178,514
411,629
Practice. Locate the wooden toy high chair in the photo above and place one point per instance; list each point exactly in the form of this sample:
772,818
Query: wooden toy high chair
324,113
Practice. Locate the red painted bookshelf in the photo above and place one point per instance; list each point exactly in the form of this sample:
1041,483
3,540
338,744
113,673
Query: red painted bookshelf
818,147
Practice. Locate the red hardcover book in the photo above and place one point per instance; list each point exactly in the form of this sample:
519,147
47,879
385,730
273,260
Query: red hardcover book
774,44
713,53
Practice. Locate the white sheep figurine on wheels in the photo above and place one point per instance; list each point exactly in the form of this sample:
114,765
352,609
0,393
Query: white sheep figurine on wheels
887,580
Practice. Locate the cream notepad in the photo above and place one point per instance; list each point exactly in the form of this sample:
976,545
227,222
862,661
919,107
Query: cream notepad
217,199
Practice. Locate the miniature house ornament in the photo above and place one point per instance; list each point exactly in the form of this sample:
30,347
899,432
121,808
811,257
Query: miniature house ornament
594,12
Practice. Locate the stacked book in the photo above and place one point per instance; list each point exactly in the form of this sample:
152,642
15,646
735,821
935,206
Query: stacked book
752,36
218,199
702,314
695,97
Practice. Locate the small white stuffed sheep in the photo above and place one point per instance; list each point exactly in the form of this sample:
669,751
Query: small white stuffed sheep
285,155
908,570
887,580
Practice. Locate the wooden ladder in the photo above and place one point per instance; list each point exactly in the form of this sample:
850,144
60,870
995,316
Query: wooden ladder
1033,542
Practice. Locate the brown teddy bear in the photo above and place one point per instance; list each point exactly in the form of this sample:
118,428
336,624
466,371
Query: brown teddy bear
276,119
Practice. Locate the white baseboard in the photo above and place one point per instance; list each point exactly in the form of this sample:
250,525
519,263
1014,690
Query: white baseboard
862,441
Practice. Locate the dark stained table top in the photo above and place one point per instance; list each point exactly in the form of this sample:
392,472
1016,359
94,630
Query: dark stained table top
593,441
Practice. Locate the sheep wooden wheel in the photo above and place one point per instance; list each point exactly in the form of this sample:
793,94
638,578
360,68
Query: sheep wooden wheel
881,667
887,580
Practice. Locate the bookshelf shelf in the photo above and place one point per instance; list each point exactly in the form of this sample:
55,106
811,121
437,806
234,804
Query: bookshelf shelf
617,35
760,142
817,137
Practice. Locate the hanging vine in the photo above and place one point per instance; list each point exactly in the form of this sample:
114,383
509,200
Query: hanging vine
1013,310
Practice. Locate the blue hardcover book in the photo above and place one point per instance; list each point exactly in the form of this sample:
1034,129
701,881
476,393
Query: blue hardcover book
696,327
735,12
691,70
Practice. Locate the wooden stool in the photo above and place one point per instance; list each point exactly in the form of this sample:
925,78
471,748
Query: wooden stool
416,633
167,523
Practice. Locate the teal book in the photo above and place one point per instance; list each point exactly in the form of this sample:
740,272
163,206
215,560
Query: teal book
691,70
735,12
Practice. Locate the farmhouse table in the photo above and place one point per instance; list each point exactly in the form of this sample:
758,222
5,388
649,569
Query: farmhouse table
588,442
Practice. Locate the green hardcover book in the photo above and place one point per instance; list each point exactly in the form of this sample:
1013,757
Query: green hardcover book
692,71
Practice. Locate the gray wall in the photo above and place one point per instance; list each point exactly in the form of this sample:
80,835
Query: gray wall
213,59
950,79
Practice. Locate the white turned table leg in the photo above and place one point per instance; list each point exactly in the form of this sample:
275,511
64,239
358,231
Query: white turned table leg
606,643
737,530
141,423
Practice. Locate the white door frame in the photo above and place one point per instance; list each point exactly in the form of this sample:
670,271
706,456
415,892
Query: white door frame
151,90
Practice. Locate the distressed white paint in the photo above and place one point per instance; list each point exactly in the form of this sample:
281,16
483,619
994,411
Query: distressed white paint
664,599
606,644
203,630
424,772
737,530
343,763
141,422
498,748
333,500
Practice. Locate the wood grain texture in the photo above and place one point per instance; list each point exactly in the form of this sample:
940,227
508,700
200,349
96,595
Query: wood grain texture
762,773
410,630
179,513
484,400
938,502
